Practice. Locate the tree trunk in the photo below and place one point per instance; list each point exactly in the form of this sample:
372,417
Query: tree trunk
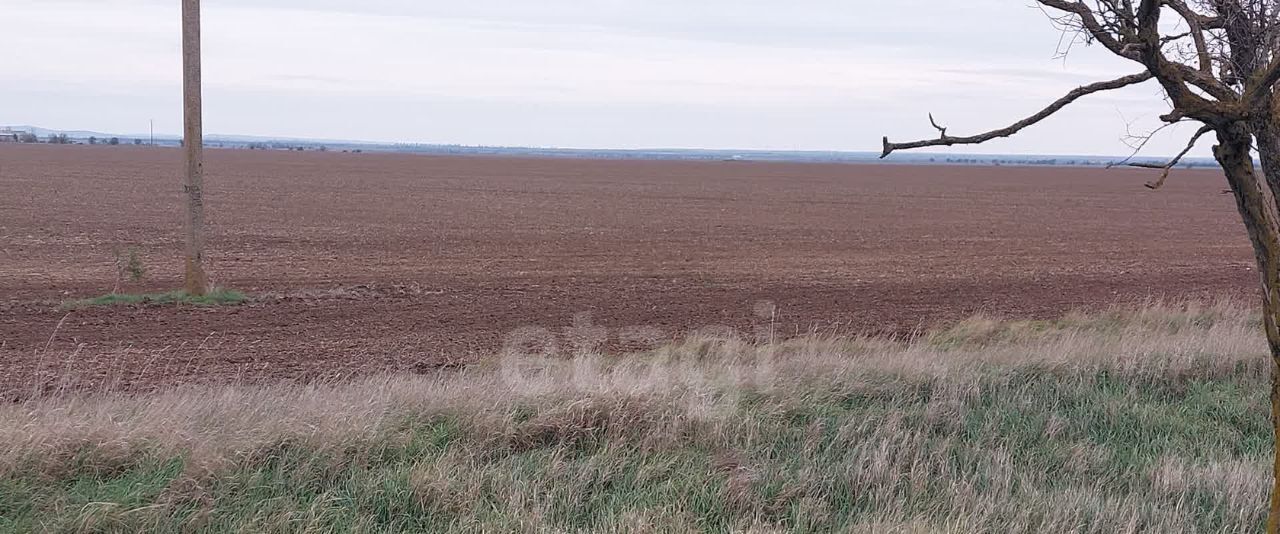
1268,136
197,282
1255,197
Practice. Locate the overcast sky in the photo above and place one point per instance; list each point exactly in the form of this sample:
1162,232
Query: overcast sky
765,74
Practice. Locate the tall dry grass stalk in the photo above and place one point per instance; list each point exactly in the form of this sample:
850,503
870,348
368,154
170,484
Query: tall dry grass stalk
1146,420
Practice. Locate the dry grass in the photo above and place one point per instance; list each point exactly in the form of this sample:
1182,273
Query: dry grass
1152,420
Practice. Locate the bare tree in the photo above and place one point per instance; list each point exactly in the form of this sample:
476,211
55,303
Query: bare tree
1218,62
197,282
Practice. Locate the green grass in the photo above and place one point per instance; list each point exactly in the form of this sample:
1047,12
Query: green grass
216,297
815,467
1129,428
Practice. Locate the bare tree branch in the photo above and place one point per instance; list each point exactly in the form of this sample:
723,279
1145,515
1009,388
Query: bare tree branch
1139,142
1200,79
1171,38
1014,128
1263,83
941,130
1135,36
1166,167
1093,26
1197,34
1173,76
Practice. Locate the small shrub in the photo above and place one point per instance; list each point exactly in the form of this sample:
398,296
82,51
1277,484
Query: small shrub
133,266
128,267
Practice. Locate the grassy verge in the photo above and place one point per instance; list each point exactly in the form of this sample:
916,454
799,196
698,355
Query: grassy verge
1151,421
216,297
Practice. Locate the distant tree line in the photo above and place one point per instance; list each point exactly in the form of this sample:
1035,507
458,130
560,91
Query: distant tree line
274,145
112,141
64,139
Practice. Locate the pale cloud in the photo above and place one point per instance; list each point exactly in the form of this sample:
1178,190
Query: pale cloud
815,74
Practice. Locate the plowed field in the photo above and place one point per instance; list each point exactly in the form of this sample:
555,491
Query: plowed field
366,262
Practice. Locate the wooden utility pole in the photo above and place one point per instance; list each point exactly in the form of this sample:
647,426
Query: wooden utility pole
197,282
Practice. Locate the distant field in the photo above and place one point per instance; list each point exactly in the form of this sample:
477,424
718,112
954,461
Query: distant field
358,263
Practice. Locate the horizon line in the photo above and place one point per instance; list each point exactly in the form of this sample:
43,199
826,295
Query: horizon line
254,138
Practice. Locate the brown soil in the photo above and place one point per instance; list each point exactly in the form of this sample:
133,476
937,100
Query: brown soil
364,262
